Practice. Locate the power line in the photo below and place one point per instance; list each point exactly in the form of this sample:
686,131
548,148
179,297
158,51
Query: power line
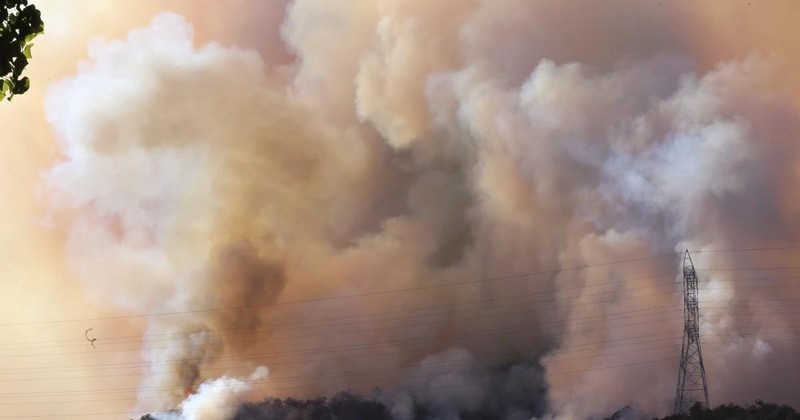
317,350
254,340
604,354
278,389
119,365
572,320
356,295
750,268
522,275
786,248
474,281
605,343
165,388
146,337
447,312
129,365
250,356
282,379
316,377
312,360
384,292
401,311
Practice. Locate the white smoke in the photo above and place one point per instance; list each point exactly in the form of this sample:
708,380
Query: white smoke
216,399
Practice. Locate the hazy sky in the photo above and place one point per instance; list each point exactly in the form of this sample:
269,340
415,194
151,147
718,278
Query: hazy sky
341,147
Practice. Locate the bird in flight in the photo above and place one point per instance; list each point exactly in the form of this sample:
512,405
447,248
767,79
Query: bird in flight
90,340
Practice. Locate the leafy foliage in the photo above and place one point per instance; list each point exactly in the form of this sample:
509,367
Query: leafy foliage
759,410
349,406
343,406
20,23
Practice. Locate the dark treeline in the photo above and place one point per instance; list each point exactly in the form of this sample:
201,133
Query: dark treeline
350,406
758,411
343,406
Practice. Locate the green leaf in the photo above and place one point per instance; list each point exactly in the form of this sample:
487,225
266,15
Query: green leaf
27,51
7,88
30,37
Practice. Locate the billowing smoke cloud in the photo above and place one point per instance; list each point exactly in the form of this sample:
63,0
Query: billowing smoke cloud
216,399
417,144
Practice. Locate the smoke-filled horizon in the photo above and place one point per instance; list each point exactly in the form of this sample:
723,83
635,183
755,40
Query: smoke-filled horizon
275,156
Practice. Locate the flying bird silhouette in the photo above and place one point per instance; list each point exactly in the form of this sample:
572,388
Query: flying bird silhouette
90,340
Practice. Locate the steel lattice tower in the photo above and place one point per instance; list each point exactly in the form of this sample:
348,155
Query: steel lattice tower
692,386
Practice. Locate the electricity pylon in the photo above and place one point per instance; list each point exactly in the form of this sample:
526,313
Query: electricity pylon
692,386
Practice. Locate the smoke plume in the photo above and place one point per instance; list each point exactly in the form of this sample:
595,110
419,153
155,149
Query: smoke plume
409,145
